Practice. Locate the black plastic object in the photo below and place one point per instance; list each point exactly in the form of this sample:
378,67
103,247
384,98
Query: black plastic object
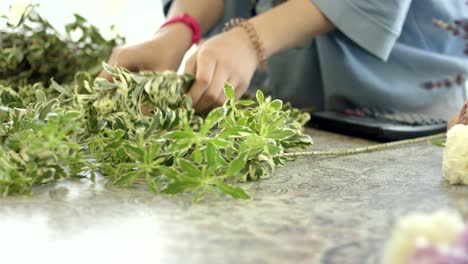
378,125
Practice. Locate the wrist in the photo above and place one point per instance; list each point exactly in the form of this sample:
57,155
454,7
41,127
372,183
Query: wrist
206,12
178,34
270,43
252,37
190,22
243,36
300,21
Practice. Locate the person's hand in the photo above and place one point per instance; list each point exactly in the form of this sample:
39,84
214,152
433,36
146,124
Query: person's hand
460,118
229,57
164,52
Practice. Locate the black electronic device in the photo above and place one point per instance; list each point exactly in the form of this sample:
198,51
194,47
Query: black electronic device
378,125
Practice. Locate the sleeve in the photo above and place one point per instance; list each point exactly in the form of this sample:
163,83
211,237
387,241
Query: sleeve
232,9
373,25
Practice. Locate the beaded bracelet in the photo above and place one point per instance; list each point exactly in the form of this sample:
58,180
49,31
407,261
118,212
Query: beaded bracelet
252,33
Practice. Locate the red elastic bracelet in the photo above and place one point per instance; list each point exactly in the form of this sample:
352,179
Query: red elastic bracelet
191,22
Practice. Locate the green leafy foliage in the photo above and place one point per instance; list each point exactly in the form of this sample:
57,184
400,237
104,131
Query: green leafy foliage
438,143
32,51
139,127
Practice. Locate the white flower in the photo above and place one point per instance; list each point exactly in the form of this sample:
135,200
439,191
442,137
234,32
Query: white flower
456,155
440,229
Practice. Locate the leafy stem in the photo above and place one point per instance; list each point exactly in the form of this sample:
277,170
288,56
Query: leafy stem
360,150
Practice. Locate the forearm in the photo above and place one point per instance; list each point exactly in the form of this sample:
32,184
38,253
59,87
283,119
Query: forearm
289,25
206,12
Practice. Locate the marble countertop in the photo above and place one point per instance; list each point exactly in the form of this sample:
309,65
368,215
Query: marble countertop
313,210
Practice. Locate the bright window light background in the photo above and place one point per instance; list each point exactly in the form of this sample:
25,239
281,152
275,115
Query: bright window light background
136,20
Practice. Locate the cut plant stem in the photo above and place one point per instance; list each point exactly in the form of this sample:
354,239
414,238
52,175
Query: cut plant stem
360,149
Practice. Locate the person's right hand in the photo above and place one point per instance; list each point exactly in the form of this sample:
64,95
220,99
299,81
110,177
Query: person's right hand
164,52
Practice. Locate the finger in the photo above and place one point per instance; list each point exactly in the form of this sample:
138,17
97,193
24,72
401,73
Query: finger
221,99
204,71
104,74
214,95
120,57
190,66
240,89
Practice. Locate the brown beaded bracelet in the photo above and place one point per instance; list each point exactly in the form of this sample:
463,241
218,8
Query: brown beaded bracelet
252,33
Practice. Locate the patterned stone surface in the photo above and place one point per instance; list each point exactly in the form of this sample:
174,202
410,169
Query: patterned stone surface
313,210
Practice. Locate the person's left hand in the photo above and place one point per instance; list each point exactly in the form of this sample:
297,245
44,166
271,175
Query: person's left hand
229,57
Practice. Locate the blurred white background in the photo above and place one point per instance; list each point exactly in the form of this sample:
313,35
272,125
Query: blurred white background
136,20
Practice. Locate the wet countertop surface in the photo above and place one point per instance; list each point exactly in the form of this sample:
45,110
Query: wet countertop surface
313,210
